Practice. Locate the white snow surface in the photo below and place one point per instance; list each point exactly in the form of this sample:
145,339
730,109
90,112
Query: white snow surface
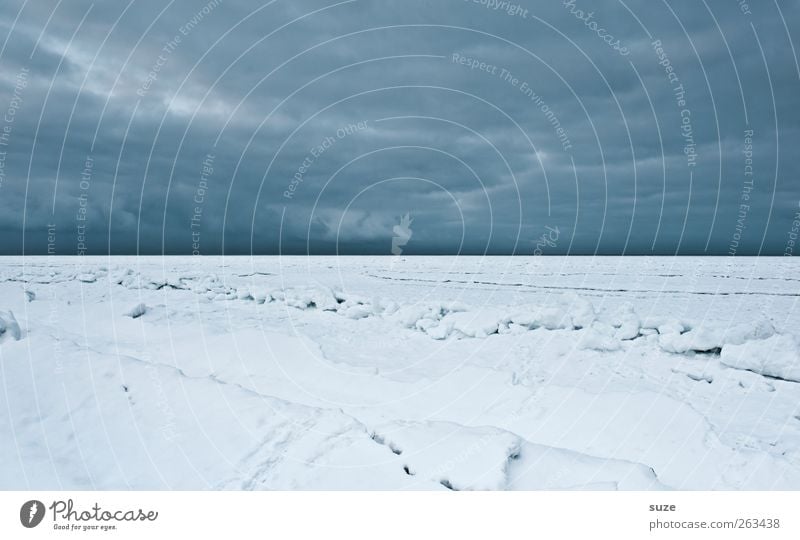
447,373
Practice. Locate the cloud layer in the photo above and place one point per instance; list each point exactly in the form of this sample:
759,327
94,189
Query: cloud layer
316,126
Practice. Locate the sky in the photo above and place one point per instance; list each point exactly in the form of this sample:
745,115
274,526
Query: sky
399,127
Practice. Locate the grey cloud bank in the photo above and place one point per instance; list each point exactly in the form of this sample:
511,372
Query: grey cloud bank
319,127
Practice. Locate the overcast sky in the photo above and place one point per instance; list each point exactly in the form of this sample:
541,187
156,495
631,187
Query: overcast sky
316,126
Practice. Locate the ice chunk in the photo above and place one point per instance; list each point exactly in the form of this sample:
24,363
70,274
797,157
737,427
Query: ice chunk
441,330
9,326
310,297
600,336
137,311
477,323
478,458
777,356
581,310
710,338
626,321
358,311
549,317
671,327
87,278
244,294
410,314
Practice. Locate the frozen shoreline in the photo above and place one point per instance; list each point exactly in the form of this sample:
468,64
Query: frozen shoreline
399,373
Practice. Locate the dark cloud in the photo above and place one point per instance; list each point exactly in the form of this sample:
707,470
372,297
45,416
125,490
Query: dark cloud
314,125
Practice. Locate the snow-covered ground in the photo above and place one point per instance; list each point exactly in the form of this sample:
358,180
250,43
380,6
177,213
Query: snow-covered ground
399,373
